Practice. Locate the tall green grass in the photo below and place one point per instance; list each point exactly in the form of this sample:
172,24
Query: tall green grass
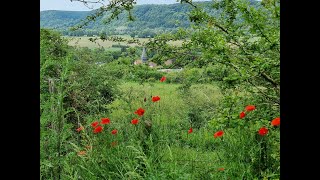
167,151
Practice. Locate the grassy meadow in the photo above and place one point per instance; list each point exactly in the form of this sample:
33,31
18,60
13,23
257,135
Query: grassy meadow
85,42
160,145
182,155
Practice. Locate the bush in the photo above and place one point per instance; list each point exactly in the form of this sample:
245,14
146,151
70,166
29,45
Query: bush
91,87
143,73
212,73
77,88
201,101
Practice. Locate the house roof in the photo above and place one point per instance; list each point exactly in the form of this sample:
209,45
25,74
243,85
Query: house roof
138,61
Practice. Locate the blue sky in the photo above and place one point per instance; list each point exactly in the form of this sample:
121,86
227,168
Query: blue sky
62,5
77,6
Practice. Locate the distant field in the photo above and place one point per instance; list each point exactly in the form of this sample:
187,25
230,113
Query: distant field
85,42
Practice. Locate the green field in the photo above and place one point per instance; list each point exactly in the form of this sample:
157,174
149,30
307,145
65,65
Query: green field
85,42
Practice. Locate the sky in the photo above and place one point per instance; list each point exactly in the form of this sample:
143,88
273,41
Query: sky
67,5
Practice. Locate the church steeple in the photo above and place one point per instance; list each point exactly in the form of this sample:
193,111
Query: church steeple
144,57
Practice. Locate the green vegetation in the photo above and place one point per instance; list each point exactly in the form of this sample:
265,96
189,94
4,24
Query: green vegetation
107,44
216,119
150,20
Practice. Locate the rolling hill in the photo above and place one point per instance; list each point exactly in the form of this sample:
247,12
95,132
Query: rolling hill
150,19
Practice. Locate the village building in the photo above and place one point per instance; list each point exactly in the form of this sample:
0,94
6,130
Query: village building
152,64
144,59
137,62
169,62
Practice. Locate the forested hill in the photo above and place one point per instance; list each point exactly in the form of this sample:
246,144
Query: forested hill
149,20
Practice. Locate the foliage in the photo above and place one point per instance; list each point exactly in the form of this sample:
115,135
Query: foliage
123,68
69,89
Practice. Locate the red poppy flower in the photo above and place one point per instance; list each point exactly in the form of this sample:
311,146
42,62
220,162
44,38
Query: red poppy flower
134,121
155,98
275,122
163,79
263,131
80,129
114,131
242,115
98,129
218,134
139,111
94,124
250,108
105,120
220,169
190,130
80,153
